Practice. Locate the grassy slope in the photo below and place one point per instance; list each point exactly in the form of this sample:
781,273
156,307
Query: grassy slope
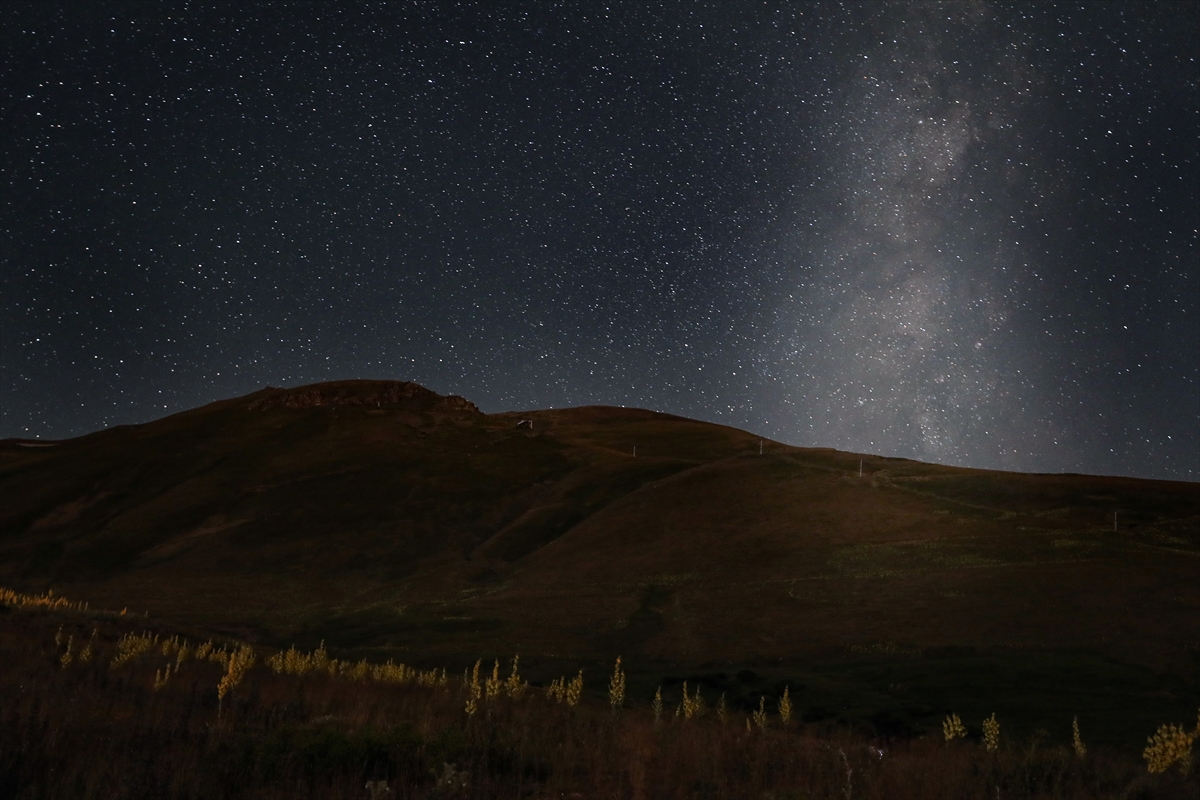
427,530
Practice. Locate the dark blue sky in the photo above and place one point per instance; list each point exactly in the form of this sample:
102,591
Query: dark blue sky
962,232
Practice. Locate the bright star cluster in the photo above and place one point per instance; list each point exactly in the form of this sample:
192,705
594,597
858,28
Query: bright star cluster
960,232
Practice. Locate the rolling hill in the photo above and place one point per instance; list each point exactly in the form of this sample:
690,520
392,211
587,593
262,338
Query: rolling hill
392,521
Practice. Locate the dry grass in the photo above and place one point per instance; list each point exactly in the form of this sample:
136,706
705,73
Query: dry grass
616,687
153,715
1171,745
93,732
952,728
46,601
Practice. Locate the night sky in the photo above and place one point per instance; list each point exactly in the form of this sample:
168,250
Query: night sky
963,232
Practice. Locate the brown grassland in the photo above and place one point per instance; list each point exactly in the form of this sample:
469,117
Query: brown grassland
396,525
94,707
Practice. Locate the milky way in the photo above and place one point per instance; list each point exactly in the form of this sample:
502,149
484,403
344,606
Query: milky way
899,327
926,319
960,232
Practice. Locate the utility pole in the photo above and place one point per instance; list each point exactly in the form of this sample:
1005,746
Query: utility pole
1114,521
635,451
760,447
860,468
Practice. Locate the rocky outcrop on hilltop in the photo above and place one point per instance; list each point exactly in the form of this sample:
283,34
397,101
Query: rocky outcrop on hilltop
362,393
453,402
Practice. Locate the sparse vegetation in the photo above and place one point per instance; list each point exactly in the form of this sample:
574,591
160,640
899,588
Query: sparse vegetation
690,705
473,690
785,706
952,728
216,719
616,687
1076,740
557,690
514,687
1171,745
574,690
45,601
991,734
493,685
237,664
760,716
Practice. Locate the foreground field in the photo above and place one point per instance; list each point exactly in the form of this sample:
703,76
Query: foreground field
94,705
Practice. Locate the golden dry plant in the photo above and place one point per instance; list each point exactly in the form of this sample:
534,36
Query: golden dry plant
294,662
68,656
45,601
220,656
616,687
237,664
1076,741
131,646
135,645
514,687
760,716
575,689
494,684
722,710
474,691
690,706
161,676
1171,744
657,705
952,728
785,707
991,734
557,690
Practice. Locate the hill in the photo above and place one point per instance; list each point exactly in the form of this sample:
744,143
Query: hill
388,520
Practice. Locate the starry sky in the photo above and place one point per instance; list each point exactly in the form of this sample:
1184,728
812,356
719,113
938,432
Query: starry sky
960,232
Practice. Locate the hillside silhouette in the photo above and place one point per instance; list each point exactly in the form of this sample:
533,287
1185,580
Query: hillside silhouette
385,519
